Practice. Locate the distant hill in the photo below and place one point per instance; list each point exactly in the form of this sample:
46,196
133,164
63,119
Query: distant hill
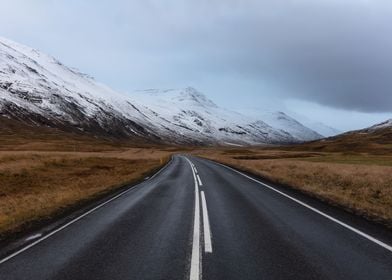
374,139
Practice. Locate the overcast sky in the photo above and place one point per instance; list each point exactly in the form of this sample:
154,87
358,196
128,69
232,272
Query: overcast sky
330,60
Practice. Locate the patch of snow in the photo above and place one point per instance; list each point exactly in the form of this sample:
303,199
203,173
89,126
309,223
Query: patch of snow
233,144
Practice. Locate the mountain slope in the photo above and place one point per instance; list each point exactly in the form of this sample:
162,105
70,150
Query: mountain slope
320,128
376,139
380,127
36,89
284,122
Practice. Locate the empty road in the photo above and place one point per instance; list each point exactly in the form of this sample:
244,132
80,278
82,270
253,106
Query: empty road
197,219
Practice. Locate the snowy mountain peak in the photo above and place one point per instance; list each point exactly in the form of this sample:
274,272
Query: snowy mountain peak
37,89
186,96
284,122
190,94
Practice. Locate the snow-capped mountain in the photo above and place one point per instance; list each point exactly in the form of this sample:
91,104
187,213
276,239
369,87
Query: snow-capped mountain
319,127
39,90
192,115
322,128
282,121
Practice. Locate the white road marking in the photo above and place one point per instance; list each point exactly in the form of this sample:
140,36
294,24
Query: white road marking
206,224
195,273
35,236
361,233
200,183
73,221
62,227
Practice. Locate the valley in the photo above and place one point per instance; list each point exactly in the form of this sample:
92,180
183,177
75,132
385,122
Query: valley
106,185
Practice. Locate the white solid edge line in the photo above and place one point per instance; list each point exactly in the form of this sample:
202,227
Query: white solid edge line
206,224
195,258
200,183
378,242
71,222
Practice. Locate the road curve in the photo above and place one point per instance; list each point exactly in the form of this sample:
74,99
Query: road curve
197,219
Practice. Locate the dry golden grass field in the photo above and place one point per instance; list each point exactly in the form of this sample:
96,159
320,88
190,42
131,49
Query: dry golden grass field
357,181
41,178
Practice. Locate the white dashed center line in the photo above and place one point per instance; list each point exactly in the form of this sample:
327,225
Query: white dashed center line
196,258
206,224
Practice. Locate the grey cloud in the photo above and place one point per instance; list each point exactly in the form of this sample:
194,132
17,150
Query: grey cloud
336,53
339,55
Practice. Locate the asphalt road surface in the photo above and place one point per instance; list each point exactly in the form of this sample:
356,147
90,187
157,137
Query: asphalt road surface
197,219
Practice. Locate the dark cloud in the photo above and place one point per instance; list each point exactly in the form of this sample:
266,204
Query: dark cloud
337,54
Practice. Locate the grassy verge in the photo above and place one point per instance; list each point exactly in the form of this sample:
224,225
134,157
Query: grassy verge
41,183
359,183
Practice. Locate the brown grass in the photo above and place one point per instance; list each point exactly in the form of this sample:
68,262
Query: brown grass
39,184
375,142
360,183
